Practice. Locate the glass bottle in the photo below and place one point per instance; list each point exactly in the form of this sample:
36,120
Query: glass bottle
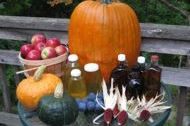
120,73
152,78
72,64
136,82
92,77
76,85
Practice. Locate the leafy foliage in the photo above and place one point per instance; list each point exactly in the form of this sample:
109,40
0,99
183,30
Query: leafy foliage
155,12
37,8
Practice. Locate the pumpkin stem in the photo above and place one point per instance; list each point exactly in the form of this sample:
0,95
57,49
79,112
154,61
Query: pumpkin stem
39,72
58,93
107,1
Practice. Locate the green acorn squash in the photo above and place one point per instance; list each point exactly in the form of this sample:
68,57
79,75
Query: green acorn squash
58,109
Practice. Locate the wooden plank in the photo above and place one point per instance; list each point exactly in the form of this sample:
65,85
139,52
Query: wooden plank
181,105
148,44
5,89
9,119
148,30
38,23
9,57
176,32
166,46
176,76
25,34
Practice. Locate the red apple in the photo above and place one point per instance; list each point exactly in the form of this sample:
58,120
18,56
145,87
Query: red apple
53,42
37,38
48,52
40,46
33,55
60,50
25,49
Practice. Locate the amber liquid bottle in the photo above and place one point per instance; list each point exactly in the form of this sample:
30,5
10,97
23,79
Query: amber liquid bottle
72,64
136,78
92,77
77,86
152,78
120,73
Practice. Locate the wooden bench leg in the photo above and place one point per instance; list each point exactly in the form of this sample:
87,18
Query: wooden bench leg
17,78
181,106
5,89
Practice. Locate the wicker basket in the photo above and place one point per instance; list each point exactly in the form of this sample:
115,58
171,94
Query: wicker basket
54,65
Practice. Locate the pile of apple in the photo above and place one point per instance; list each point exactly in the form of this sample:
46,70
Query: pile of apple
42,48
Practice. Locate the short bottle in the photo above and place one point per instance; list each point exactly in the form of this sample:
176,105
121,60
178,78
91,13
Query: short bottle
72,64
92,77
136,78
120,73
76,86
152,78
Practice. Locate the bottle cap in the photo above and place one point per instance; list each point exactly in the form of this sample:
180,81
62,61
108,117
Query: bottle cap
75,73
91,67
154,58
141,59
121,57
72,58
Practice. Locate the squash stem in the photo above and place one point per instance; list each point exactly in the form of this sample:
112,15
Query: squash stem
39,72
58,93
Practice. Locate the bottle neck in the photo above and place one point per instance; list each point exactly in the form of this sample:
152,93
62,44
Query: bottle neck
123,62
154,63
73,64
76,78
141,65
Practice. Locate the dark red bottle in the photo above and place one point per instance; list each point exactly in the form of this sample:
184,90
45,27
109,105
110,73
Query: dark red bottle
152,78
120,73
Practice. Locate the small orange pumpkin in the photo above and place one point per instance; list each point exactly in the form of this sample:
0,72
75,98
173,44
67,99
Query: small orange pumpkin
100,30
31,89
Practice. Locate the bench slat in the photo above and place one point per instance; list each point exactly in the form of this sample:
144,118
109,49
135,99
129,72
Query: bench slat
57,24
165,46
37,23
25,34
176,76
9,119
173,76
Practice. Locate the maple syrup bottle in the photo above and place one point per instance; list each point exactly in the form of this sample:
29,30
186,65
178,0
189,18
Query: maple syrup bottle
72,64
120,73
152,78
136,82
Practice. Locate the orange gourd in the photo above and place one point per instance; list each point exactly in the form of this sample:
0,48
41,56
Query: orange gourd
100,30
30,90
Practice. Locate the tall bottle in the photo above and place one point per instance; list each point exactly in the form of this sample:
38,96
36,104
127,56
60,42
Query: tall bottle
136,76
76,86
152,78
92,77
120,73
72,64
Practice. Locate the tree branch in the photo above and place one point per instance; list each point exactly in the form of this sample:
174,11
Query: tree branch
181,11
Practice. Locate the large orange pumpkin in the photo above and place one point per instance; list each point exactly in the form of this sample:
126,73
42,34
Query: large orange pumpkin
100,30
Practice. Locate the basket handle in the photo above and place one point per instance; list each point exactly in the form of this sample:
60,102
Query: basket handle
26,70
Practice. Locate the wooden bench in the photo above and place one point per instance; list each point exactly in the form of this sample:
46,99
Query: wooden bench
156,38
